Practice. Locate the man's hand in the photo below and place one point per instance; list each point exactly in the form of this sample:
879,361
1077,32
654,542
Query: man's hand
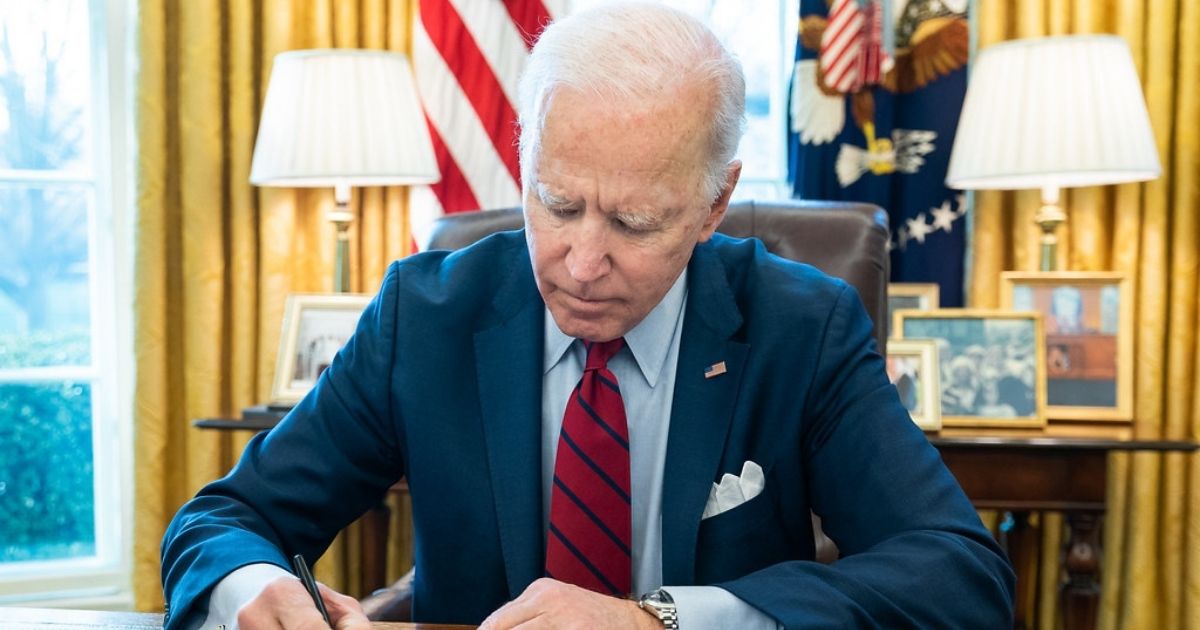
549,603
284,603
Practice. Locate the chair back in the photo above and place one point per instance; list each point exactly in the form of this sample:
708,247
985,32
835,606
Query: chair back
845,240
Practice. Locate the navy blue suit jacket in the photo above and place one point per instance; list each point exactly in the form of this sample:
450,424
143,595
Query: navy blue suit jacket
441,384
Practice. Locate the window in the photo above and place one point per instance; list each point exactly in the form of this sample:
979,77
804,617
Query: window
64,500
762,35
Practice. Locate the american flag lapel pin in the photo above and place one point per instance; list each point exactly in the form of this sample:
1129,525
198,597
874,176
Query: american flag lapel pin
715,369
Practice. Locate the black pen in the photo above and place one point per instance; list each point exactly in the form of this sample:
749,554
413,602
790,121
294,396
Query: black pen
310,585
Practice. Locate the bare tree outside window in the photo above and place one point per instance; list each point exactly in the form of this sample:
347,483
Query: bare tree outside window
46,195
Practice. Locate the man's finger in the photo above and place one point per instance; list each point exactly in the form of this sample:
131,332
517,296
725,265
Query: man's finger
518,611
283,603
345,612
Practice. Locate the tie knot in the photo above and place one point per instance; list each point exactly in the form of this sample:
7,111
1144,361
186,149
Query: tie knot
598,354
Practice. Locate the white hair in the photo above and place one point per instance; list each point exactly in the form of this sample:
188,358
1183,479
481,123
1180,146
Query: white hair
634,51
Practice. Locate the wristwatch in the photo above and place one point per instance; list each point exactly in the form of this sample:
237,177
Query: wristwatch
660,604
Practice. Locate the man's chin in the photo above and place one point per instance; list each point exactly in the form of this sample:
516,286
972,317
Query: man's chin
589,328
591,332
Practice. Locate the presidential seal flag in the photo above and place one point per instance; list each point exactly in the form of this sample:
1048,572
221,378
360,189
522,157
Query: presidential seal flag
876,94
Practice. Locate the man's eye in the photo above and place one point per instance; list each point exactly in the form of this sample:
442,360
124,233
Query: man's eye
629,228
563,213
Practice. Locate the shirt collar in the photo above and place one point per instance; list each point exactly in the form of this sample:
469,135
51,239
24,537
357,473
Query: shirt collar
649,341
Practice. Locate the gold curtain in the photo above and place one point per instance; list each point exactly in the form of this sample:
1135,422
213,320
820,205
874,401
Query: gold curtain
1151,564
215,256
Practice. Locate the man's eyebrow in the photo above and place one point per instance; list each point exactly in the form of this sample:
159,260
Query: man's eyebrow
548,198
639,220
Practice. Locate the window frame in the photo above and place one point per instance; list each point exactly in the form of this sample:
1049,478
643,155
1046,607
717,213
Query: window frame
101,581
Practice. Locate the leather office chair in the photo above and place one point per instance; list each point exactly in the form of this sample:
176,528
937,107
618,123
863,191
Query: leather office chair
845,240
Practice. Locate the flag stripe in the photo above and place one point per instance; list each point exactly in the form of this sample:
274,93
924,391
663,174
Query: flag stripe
467,57
462,131
452,191
461,54
839,33
841,55
498,39
530,16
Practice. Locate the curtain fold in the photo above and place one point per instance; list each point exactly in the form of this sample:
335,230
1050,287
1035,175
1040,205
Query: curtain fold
1150,231
216,257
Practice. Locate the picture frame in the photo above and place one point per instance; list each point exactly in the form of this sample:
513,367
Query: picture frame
922,296
315,327
992,364
1089,340
912,366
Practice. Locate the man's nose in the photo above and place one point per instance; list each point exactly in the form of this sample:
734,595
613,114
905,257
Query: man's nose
588,258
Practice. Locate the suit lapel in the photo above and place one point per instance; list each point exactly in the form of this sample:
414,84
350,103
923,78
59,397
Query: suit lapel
701,412
509,372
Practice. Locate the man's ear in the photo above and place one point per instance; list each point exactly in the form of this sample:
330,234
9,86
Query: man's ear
716,213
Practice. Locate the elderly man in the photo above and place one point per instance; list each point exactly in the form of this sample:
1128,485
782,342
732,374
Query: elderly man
615,418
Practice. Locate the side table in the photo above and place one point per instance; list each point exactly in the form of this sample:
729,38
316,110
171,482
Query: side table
1069,475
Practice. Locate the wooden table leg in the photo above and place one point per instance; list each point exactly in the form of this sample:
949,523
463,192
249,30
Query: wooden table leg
373,548
1080,595
1020,541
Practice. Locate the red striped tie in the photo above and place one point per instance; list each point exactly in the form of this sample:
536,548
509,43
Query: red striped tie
590,517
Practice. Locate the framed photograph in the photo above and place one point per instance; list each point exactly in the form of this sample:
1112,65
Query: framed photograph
1089,340
910,295
315,327
992,364
912,366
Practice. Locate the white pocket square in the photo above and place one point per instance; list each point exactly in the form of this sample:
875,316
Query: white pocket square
734,491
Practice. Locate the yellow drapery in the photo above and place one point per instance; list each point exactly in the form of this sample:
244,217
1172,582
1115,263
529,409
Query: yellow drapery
215,256
1151,566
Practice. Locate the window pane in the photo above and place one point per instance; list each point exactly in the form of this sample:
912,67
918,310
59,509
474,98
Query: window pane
44,316
750,30
46,497
44,85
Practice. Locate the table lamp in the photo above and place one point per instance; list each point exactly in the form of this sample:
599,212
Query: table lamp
342,118
1049,113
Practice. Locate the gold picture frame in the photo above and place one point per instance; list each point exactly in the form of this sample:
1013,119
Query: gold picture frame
912,366
315,327
992,364
922,296
1089,340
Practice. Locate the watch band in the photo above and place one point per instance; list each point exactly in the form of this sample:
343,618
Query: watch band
660,604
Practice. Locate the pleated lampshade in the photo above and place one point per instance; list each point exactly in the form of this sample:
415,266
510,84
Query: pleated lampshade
1053,112
342,117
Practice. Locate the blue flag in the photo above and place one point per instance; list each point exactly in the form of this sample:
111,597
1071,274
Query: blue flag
872,119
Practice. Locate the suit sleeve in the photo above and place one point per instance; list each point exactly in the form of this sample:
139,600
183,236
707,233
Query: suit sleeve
295,487
913,551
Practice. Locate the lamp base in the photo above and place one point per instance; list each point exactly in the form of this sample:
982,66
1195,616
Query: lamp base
1049,217
341,218
341,261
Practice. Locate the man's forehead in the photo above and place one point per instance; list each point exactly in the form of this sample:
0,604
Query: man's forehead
651,205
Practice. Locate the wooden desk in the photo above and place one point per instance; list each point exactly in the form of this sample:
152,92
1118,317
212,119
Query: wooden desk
1014,474
1068,475
61,619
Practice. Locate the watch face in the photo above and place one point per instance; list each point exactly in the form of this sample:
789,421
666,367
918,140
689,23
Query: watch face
660,604
660,597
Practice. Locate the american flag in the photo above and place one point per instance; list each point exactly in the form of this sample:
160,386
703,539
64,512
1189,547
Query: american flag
467,58
851,47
